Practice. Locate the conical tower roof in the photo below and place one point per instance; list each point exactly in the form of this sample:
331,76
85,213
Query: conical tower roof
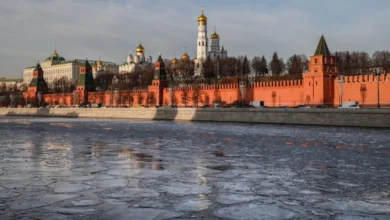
159,59
322,48
38,67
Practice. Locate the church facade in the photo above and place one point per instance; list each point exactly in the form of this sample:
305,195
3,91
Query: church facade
136,62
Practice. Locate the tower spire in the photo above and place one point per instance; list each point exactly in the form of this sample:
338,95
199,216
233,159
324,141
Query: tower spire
322,48
202,9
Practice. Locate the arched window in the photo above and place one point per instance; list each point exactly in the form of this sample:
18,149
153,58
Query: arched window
199,43
202,43
315,60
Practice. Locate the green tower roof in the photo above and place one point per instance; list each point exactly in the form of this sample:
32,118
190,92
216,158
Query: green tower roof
322,48
38,67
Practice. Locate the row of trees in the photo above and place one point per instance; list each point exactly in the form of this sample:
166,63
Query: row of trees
350,63
141,78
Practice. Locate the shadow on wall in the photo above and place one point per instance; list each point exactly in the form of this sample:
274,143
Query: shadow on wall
43,112
165,114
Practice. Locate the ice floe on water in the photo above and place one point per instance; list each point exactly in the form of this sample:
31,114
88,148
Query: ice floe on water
112,169
254,211
125,213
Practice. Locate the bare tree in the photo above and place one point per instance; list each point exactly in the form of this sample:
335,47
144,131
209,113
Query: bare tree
196,95
185,97
297,64
277,65
381,59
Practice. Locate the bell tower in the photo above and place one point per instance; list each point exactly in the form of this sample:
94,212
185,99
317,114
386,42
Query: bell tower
319,81
202,42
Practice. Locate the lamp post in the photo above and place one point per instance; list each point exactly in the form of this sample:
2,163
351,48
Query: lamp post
243,92
11,98
341,83
114,82
74,97
39,98
170,89
63,95
378,89
117,97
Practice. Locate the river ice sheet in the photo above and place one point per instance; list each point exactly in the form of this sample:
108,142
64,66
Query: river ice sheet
55,168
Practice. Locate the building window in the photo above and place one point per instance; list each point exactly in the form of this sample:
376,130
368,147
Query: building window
202,43
199,43
315,60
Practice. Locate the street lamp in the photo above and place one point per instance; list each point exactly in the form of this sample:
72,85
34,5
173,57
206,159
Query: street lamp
243,92
113,82
170,89
376,73
341,83
63,95
74,97
39,98
11,98
117,97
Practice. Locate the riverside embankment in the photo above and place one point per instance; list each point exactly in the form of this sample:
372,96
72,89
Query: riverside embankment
328,117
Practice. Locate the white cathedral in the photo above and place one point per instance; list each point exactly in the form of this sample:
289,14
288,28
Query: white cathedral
136,62
202,46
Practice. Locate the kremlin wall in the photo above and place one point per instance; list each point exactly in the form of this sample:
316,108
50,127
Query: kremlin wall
321,85
318,86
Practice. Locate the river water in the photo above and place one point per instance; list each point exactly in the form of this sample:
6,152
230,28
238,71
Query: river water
56,168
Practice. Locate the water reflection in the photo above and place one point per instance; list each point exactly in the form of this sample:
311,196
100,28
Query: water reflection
191,170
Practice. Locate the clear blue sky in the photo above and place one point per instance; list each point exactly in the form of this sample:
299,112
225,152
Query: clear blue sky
30,29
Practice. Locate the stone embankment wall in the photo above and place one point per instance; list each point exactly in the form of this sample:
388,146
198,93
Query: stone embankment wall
329,117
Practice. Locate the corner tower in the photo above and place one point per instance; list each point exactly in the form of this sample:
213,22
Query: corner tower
38,83
322,61
85,80
319,81
159,83
85,83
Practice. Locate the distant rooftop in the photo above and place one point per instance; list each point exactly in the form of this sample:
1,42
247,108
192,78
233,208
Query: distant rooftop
3,79
81,62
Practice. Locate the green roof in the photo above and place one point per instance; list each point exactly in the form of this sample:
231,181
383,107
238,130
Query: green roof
322,48
55,58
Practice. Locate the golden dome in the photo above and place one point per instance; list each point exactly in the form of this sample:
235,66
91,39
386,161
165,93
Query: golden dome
215,36
202,18
185,57
55,54
99,63
174,61
140,49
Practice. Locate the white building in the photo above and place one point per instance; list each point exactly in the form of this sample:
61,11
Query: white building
11,83
216,52
136,62
202,45
55,67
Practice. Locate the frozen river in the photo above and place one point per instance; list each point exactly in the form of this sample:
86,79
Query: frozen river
55,168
